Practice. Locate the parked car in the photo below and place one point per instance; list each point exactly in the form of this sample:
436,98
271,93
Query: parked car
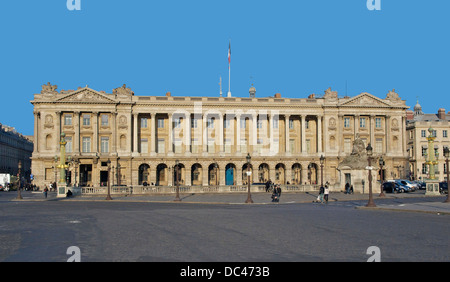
443,187
421,184
394,187
407,183
402,187
1,187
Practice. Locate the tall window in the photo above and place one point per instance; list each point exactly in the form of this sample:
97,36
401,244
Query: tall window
160,123
346,122
86,145
291,124
144,122
104,120
69,144
104,144
68,119
86,119
362,122
377,122
194,123
275,123
444,133
423,133
210,123
144,145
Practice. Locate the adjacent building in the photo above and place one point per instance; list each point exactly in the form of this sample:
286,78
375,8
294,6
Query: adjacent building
209,138
417,126
15,147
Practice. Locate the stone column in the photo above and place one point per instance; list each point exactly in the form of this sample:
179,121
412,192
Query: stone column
205,134
58,131
221,128
286,135
114,133
319,134
187,139
95,128
304,134
238,133
272,150
254,134
153,134
135,132
76,125
388,134
170,149
36,132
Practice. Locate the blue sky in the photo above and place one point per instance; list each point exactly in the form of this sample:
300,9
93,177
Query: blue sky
294,47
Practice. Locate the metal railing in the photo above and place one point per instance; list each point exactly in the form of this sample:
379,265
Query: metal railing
148,190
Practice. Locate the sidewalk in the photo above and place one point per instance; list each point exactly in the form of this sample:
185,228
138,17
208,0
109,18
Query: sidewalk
430,204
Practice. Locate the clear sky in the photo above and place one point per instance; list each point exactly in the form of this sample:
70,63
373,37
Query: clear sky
294,47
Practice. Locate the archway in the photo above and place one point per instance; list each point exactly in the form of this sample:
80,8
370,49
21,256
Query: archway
263,173
144,172
196,175
213,174
245,169
161,175
312,173
280,176
296,174
181,175
230,170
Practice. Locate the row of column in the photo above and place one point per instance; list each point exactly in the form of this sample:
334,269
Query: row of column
252,137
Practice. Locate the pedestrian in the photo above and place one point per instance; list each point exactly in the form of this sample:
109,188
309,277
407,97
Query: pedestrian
45,192
326,192
321,192
347,187
279,190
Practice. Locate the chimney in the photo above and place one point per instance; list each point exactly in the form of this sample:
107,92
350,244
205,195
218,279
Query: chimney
168,94
441,113
277,95
409,115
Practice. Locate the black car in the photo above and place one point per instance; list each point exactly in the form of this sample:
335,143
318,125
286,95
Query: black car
443,187
392,187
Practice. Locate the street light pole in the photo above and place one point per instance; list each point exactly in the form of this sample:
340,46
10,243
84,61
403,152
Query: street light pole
108,197
446,154
249,196
381,163
369,156
177,197
19,195
322,159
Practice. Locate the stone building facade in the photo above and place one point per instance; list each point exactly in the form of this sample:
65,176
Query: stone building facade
210,137
417,126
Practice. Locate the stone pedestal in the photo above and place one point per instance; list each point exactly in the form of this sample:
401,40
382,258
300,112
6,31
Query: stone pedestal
432,187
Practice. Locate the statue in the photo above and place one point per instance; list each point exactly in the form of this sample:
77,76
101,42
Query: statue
124,90
393,96
329,94
358,157
48,88
358,146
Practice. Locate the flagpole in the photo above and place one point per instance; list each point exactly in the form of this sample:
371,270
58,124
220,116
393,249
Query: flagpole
229,70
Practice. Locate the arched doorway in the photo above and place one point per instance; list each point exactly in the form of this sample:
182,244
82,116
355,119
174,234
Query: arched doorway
181,175
263,173
312,173
161,175
245,169
230,170
196,175
144,172
296,174
213,174
280,176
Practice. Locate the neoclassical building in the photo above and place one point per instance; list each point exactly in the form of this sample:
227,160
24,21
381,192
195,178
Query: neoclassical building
209,138
417,126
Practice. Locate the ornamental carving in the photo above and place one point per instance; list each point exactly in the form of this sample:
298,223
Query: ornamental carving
124,90
49,89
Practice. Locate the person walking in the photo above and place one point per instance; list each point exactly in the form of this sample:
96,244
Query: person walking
45,192
326,192
347,187
321,192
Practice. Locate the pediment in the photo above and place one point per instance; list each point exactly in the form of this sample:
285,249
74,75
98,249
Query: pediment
86,95
365,100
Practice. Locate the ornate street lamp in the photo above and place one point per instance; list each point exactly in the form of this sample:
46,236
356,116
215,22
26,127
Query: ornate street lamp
369,156
381,163
322,159
249,196
19,195
177,197
216,166
446,155
108,197
118,173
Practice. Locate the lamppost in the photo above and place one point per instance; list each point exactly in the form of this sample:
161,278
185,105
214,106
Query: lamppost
249,196
369,156
215,172
381,163
76,162
19,195
108,196
118,173
177,197
322,159
446,155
